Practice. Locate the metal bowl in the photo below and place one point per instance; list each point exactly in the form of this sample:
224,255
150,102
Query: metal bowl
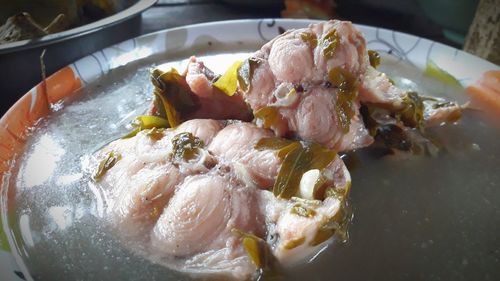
20,61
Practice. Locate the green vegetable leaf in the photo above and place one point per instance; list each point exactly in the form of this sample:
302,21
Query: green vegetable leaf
374,58
336,225
107,163
310,39
260,254
298,158
269,115
303,211
329,43
272,143
412,114
186,146
228,82
346,83
245,73
155,133
173,98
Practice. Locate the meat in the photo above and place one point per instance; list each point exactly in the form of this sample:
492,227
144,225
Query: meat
183,211
199,78
235,143
192,96
299,78
376,89
213,103
293,75
310,84
232,199
142,181
298,234
199,219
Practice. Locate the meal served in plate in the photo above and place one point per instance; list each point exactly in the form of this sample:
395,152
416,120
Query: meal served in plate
238,175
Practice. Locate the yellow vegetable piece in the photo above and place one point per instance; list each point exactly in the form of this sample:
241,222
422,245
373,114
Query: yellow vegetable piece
433,70
291,244
144,122
269,115
228,82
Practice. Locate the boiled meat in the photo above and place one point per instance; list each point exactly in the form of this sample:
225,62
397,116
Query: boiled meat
189,211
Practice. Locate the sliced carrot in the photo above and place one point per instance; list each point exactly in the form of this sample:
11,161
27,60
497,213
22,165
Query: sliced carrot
491,79
485,94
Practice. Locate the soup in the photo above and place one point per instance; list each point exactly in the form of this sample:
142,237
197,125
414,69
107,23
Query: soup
415,217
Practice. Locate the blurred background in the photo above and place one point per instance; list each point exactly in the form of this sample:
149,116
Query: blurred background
425,18
458,23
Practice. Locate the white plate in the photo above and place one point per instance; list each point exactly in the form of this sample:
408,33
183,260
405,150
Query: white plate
208,37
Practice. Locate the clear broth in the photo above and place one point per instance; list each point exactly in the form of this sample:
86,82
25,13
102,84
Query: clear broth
415,217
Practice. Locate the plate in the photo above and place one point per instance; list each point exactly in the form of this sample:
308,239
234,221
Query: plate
183,41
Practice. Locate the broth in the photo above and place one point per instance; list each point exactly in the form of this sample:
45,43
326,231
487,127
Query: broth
415,217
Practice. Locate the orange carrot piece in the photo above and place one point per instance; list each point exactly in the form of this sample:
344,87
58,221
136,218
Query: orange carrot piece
485,94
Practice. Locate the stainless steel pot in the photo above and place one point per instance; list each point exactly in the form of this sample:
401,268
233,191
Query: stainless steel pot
20,61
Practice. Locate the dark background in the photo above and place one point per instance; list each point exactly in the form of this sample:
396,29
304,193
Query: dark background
20,72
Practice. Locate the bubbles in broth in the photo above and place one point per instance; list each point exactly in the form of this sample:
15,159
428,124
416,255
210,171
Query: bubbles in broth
415,217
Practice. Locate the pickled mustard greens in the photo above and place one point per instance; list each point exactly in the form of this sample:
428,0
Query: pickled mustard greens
346,83
303,211
260,254
412,114
374,58
336,225
186,146
172,97
298,158
245,73
107,163
144,122
329,43
269,115
228,82
310,38
391,132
